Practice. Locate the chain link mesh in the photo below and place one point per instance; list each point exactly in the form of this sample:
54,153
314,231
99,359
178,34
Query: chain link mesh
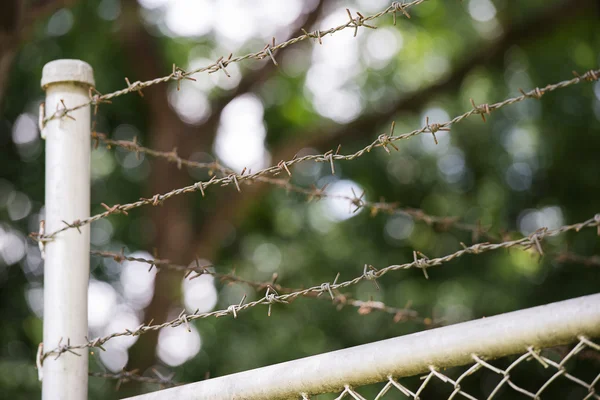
556,372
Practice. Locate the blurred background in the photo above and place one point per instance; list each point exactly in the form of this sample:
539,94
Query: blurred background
533,164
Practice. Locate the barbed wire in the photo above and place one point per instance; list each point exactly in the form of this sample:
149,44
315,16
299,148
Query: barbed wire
311,193
164,381
364,307
171,156
370,273
278,294
340,299
178,74
358,202
588,261
383,141
443,223
400,314
196,268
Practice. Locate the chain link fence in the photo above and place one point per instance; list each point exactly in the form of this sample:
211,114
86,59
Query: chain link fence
531,375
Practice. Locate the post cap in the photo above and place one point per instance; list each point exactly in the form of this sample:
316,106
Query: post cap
67,71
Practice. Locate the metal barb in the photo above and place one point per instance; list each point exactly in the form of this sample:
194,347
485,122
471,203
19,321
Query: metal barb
369,273
329,156
221,63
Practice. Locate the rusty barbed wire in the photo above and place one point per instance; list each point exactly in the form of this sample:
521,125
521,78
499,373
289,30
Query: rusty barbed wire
178,74
400,314
196,269
311,193
171,156
340,299
370,273
164,381
357,201
569,257
443,223
383,141
437,372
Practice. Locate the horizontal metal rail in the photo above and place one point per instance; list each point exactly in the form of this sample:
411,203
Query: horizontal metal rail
493,337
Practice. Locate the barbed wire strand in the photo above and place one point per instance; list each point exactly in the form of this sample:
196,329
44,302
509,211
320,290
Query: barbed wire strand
358,202
178,74
171,156
314,193
341,300
443,223
310,193
383,140
369,273
570,257
164,381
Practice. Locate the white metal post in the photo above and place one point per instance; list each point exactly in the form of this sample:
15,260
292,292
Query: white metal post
66,270
501,335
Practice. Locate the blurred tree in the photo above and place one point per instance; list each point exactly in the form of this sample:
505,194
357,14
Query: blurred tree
533,164
16,22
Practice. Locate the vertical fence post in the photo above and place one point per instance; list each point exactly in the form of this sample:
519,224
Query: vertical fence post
66,270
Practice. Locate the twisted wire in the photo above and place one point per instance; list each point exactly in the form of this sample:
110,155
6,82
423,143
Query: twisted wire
178,74
370,273
329,157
